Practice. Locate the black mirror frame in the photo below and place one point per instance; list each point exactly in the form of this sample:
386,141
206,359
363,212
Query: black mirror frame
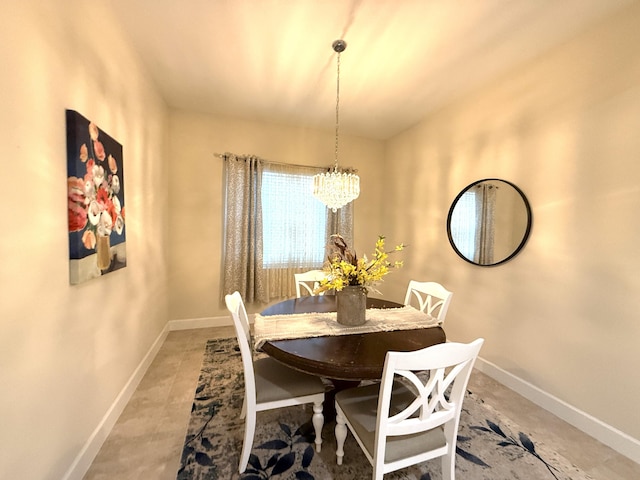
524,238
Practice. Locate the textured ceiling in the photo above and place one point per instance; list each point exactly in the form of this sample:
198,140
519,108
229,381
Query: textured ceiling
272,59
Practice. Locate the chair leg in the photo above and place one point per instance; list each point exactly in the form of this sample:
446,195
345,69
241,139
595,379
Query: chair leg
318,422
341,435
448,466
378,473
244,408
249,431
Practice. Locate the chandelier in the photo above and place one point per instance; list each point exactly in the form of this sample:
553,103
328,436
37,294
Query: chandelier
336,188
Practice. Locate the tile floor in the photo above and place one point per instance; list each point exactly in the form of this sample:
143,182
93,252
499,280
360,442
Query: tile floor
146,442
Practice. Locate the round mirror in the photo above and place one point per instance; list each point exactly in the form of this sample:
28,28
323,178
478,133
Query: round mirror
489,222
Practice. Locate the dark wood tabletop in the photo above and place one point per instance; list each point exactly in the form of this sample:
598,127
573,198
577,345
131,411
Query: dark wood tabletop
351,357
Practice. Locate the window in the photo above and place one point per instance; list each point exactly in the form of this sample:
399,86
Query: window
463,224
273,227
294,222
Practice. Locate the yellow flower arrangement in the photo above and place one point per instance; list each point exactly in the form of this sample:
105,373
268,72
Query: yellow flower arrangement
344,268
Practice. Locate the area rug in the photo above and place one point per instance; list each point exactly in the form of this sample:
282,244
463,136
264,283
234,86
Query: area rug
490,446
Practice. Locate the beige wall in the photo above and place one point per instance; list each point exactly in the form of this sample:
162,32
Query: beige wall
66,351
196,194
565,128
562,315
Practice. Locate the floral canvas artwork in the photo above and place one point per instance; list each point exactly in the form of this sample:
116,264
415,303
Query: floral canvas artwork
96,208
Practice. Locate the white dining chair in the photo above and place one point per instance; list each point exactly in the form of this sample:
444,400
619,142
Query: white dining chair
409,418
429,297
268,384
307,282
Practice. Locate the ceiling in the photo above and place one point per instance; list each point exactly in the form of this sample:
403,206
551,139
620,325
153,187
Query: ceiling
272,60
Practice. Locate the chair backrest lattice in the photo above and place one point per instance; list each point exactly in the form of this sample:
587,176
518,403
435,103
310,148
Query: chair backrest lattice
431,406
429,297
307,282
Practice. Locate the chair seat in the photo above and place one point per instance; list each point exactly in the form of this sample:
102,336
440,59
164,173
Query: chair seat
360,406
276,382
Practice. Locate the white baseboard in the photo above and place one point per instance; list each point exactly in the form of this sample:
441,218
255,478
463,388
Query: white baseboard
83,461
189,323
619,441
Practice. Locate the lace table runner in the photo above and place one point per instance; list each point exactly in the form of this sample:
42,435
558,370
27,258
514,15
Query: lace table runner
307,325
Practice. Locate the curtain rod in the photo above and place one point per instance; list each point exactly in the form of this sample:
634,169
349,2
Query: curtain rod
328,167
222,155
487,184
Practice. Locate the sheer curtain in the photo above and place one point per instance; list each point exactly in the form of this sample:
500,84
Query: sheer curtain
485,222
296,227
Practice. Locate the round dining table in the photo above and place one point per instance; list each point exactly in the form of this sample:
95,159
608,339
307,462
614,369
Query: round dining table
344,359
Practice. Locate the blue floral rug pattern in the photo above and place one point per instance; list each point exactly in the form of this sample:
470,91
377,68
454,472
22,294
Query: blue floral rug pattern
490,446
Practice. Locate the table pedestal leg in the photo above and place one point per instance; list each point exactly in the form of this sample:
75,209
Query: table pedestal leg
329,408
